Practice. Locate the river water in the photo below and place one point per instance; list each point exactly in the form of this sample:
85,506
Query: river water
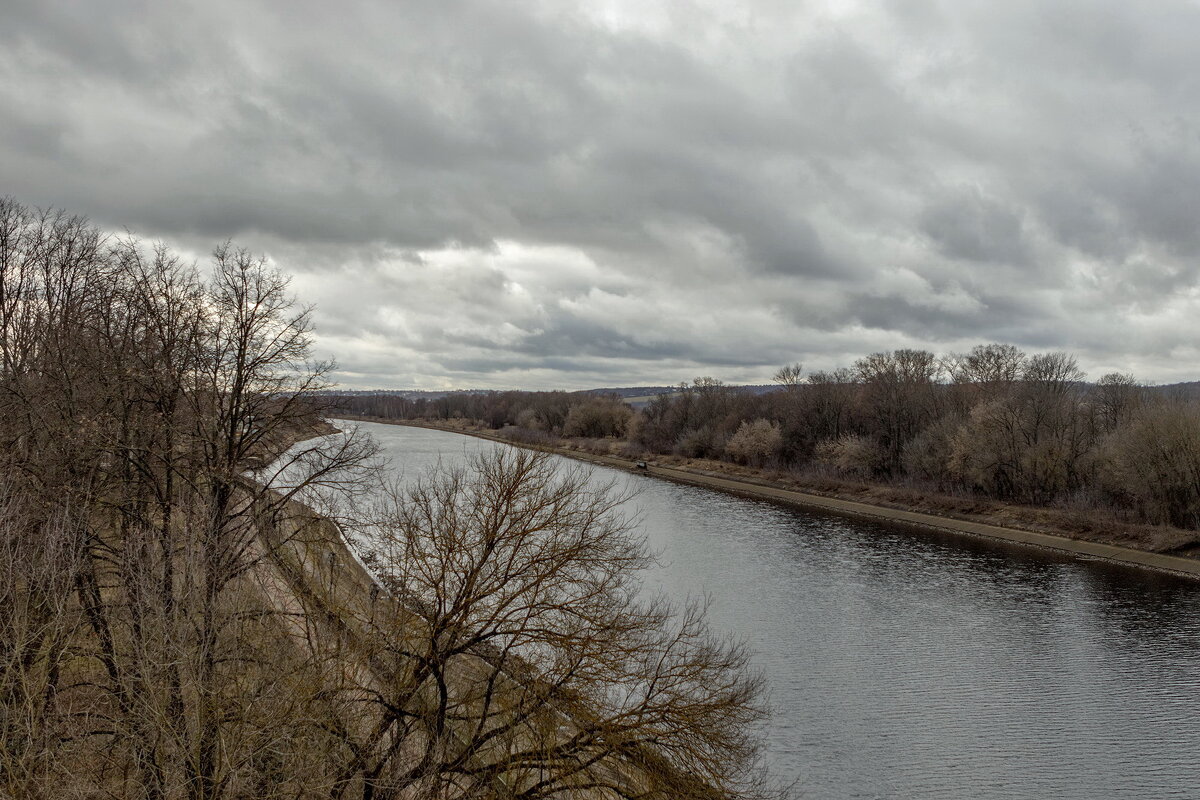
918,665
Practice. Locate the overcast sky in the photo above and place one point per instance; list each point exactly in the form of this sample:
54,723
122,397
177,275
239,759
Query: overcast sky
580,194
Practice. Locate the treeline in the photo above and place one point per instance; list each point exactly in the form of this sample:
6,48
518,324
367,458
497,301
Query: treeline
139,658
996,422
558,413
172,627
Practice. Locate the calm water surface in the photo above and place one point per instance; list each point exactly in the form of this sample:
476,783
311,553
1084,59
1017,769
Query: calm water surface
916,665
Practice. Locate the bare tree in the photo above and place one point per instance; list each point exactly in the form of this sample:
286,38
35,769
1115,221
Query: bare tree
898,395
134,397
39,563
1032,442
992,368
831,400
1117,398
524,661
789,375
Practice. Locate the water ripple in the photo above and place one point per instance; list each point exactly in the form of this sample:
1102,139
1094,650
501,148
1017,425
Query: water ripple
922,665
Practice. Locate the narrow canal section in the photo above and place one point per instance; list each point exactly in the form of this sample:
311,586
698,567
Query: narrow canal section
925,665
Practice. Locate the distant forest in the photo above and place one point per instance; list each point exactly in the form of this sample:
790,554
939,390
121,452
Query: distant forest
995,422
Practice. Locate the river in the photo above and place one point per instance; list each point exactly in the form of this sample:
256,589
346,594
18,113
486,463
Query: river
921,665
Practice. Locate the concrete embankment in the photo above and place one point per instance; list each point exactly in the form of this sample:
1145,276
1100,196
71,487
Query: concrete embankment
1080,548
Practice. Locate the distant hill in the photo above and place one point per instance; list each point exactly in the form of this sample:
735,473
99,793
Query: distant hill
651,391
643,394
633,391
626,392
1189,390
407,394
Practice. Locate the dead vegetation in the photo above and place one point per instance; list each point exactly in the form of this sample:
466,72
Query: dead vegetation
172,628
1019,439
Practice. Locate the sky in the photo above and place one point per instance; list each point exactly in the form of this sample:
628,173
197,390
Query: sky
548,195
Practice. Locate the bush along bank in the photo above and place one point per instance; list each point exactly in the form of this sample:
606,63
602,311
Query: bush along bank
995,434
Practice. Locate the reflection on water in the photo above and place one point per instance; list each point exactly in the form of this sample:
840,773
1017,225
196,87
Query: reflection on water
925,665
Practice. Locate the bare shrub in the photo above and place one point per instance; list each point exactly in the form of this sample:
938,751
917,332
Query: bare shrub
755,442
1154,464
850,455
700,443
930,456
529,419
598,418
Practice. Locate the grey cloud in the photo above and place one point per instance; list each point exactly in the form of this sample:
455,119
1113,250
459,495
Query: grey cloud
713,196
966,226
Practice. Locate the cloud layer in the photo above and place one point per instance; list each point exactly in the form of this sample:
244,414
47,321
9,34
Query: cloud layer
523,194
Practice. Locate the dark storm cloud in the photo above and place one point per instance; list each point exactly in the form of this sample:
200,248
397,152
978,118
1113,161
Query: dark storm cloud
966,226
478,193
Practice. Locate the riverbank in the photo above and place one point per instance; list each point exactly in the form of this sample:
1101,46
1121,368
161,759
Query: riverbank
762,488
